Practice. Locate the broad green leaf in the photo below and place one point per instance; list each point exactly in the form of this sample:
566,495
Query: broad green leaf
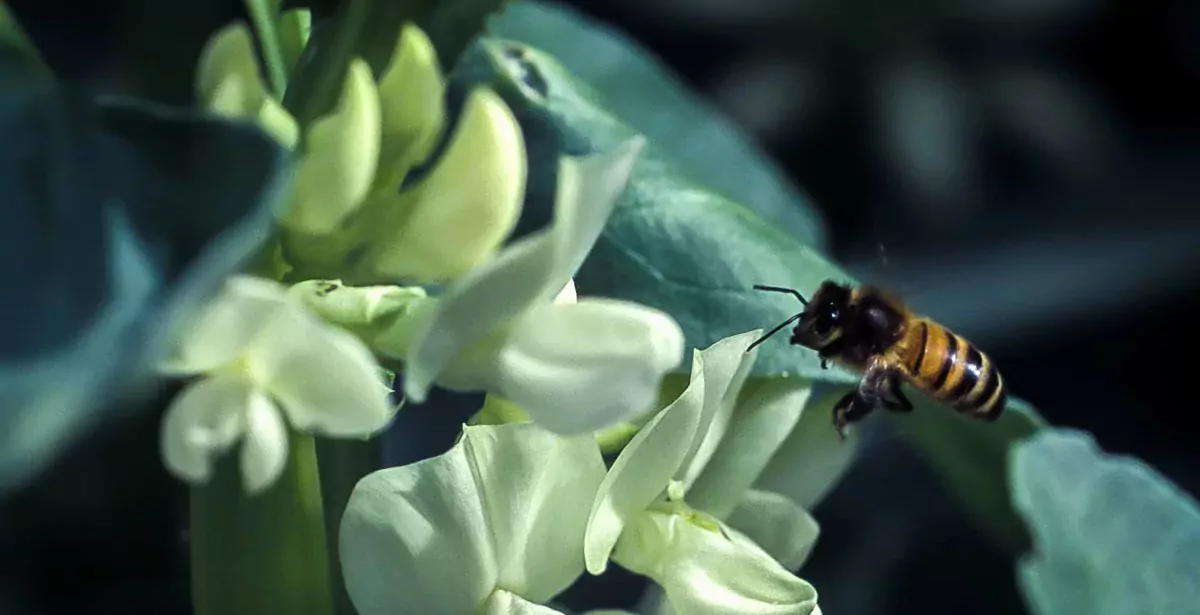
671,243
119,220
631,83
1113,536
970,456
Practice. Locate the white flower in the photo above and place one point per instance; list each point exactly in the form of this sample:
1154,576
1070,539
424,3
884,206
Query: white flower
260,353
640,517
573,366
494,525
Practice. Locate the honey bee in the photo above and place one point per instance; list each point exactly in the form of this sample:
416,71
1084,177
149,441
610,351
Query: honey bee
874,334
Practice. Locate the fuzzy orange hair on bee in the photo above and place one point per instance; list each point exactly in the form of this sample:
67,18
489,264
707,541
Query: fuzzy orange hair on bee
870,332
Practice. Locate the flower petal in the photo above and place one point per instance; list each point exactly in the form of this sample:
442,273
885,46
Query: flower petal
580,367
726,365
503,602
227,325
325,379
265,445
776,523
339,164
761,422
411,93
811,460
204,420
500,508
230,53
418,536
530,270
568,293
537,489
711,571
447,225
643,469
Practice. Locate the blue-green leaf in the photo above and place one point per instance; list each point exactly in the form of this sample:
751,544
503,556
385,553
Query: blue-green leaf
1112,535
672,243
628,81
971,457
119,219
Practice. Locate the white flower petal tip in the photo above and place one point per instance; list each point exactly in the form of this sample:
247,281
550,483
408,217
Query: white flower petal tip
202,422
452,225
782,528
339,165
643,470
567,294
579,367
228,52
411,92
505,507
708,568
503,602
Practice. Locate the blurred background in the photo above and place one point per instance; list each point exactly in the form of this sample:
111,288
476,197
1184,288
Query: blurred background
1021,170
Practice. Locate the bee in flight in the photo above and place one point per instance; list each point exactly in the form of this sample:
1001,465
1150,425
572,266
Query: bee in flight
874,334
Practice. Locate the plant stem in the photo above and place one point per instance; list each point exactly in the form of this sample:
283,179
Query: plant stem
343,463
265,14
253,555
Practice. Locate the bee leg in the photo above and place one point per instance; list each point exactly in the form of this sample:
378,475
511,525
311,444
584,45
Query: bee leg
853,408
829,352
897,402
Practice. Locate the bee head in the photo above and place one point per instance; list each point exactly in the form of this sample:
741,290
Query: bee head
824,315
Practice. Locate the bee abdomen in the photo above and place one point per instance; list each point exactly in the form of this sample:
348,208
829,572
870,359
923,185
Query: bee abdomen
953,371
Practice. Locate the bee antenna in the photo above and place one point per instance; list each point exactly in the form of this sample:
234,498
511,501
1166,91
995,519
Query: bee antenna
780,289
774,331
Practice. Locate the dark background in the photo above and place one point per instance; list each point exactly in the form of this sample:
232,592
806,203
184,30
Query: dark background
1020,169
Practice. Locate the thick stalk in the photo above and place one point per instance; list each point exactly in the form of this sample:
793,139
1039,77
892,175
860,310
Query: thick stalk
253,555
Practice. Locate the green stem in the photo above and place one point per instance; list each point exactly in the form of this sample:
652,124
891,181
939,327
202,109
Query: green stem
265,14
343,463
253,555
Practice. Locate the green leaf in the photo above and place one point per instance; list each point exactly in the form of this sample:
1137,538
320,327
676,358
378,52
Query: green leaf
1113,536
671,243
119,220
631,83
13,37
971,457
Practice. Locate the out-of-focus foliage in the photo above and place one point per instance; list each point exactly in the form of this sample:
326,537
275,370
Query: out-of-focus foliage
119,219
1112,535
630,83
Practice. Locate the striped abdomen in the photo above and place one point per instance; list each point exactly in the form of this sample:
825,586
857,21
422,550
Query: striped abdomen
951,370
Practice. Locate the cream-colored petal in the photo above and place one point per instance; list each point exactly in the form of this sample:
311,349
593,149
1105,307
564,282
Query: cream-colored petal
537,489
502,509
202,422
230,53
708,568
503,602
340,157
325,379
580,367
643,470
778,525
764,417
726,365
264,445
530,270
411,94
462,212
225,326
812,459
567,294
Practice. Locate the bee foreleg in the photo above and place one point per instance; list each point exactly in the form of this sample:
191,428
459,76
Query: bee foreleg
897,402
854,407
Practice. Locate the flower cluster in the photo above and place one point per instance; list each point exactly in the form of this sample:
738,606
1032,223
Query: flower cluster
515,512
